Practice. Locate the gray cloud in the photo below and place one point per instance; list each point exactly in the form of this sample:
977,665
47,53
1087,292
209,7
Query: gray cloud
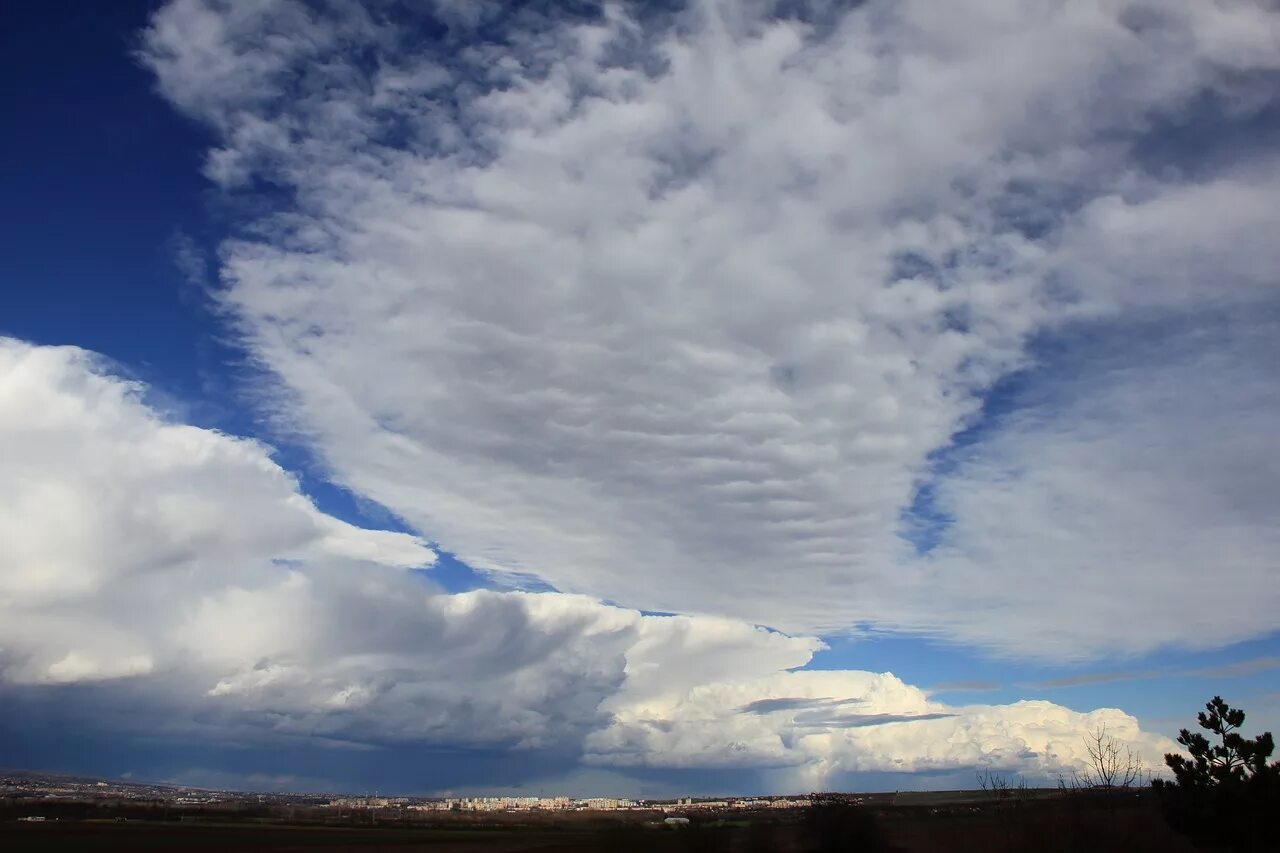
1097,678
792,703
1103,497
170,583
959,686
1231,670
857,721
680,313
1240,668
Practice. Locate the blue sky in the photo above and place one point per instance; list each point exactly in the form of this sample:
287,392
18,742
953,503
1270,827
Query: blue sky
504,401
94,158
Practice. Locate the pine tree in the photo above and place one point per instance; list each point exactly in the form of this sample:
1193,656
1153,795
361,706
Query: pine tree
1232,760
1224,795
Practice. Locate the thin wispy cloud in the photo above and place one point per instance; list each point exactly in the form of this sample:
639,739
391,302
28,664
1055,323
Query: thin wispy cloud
1238,669
793,703
1096,678
858,721
964,686
190,261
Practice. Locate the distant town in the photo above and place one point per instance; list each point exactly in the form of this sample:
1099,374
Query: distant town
596,804
41,811
23,785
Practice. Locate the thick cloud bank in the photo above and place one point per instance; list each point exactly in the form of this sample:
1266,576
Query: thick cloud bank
179,573
678,310
118,526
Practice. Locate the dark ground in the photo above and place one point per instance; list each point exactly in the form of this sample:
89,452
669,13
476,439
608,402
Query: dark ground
1130,823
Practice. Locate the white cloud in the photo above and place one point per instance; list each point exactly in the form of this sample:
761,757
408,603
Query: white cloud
109,510
180,571
882,725
100,487
1140,487
675,314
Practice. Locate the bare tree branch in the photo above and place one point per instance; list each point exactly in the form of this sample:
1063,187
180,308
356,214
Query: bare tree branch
1112,764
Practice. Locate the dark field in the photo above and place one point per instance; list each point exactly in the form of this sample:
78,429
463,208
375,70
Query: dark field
1131,823
94,835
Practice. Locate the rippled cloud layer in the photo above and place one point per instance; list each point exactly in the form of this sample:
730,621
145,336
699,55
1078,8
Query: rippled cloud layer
682,311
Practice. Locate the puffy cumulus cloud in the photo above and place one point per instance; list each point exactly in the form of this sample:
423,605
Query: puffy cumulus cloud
178,580
675,310
109,510
874,723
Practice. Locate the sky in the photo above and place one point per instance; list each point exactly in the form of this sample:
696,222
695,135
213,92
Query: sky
634,399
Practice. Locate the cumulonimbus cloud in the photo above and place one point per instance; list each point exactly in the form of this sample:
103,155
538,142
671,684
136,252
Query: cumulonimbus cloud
179,573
